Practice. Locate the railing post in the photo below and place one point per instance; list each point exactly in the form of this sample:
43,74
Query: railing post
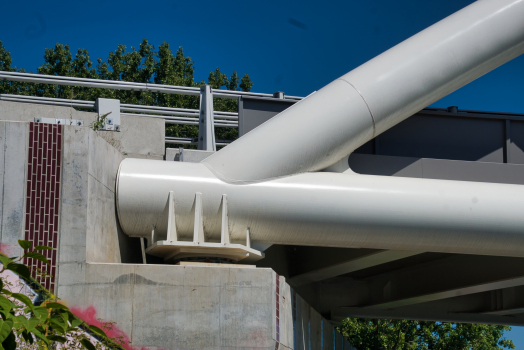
279,94
111,109
206,124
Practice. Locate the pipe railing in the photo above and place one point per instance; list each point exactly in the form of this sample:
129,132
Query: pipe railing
192,141
125,85
170,115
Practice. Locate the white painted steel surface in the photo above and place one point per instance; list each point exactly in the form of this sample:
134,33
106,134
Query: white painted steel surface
327,209
258,172
377,95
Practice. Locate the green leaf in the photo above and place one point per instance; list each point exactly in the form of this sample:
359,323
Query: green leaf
10,342
42,247
56,306
97,330
57,338
40,335
5,260
41,313
27,337
58,323
5,329
87,344
5,304
20,270
37,256
32,323
24,299
1,284
57,327
20,322
76,322
5,291
25,244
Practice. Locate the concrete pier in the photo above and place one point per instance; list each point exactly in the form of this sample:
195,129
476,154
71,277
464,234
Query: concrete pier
59,189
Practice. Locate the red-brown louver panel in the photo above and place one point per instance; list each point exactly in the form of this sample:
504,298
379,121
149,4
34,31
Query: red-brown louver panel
43,197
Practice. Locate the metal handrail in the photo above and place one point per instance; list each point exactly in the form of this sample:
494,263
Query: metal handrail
190,141
125,85
170,115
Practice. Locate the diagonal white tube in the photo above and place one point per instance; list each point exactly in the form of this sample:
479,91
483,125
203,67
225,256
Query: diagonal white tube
327,209
377,95
263,173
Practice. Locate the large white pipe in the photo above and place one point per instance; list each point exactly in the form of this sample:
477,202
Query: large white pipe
377,95
327,209
256,173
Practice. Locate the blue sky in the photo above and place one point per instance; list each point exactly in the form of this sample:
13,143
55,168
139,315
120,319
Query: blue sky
291,46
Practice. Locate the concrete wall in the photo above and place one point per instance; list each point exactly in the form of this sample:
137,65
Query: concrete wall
193,307
178,307
89,229
13,163
140,137
154,306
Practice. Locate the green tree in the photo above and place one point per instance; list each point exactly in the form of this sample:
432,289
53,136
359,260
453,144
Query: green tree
368,334
145,65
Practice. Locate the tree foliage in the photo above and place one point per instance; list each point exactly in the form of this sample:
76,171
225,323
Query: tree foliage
368,334
145,65
24,325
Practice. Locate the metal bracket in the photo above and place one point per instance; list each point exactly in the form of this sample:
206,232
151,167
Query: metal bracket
174,249
152,240
111,108
171,224
56,121
143,247
224,232
198,232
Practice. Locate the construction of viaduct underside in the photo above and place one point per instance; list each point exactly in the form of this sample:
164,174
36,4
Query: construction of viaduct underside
356,201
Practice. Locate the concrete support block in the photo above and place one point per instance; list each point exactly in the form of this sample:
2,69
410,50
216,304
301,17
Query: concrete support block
27,112
347,345
14,176
104,160
315,329
2,171
102,241
181,307
74,197
102,234
328,335
339,341
301,324
71,283
139,137
187,155
286,314
245,311
173,154
112,294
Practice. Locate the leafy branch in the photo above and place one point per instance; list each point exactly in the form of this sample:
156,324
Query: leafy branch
23,322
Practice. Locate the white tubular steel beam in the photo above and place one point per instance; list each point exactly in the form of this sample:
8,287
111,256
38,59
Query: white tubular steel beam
377,95
352,265
327,209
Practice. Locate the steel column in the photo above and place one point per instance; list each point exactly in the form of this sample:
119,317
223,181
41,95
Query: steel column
206,125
